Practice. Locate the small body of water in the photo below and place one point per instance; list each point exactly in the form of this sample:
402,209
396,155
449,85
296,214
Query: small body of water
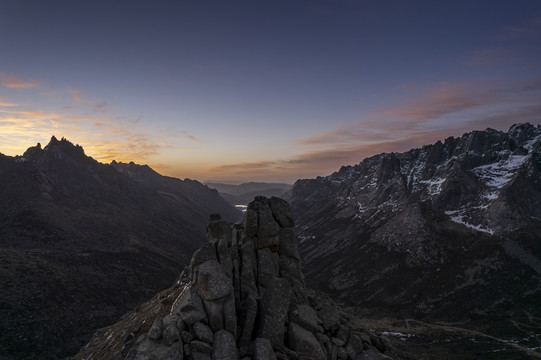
242,207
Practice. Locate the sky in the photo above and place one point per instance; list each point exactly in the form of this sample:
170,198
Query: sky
263,90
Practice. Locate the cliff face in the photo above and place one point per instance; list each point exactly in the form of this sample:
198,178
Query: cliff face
242,296
449,230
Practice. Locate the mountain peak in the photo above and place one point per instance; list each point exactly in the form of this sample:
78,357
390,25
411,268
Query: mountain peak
56,149
64,145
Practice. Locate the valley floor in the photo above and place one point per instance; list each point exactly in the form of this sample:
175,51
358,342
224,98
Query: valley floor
414,339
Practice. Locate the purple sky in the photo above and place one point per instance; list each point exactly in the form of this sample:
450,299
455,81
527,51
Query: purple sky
263,90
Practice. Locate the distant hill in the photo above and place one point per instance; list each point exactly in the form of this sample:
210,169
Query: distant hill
450,231
83,242
242,194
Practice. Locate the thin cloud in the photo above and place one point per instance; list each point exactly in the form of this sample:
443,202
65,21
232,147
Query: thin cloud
7,103
444,106
15,82
103,139
97,107
443,110
490,57
528,29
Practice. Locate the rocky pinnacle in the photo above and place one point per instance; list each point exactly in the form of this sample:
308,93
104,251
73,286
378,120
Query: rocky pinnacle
242,297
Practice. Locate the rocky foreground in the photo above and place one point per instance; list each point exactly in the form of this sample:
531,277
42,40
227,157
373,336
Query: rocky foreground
242,297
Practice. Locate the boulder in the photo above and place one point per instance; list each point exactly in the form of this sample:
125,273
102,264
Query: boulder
248,274
268,229
215,314
267,267
304,343
305,316
171,335
156,330
290,269
248,314
230,316
217,229
281,211
225,347
186,336
263,350
224,255
342,334
201,346
197,355
203,332
330,317
274,308
288,244
250,222
203,254
213,282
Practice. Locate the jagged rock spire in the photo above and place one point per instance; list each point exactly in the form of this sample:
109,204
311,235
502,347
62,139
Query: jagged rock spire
243,297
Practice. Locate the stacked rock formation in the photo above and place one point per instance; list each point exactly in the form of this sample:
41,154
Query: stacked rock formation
243,297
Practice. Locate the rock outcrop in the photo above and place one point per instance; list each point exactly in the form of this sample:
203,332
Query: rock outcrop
242,297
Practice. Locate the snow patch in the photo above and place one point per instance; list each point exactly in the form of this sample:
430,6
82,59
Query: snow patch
434,185
499,174
458,217
491,196
399,335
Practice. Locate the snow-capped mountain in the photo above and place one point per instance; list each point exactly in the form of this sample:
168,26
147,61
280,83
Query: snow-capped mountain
424,228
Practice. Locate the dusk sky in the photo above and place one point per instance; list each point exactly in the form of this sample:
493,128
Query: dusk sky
263,90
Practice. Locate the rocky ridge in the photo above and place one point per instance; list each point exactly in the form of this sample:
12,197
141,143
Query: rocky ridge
82,243
449,230
242,297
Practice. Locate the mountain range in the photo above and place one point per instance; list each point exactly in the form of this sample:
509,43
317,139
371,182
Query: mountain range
242,194
447,232
82,242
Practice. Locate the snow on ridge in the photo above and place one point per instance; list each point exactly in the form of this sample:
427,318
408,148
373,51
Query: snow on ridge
528,145
500,173
434,185
458,217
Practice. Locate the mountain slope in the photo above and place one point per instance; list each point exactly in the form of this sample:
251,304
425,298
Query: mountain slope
77,234
449,231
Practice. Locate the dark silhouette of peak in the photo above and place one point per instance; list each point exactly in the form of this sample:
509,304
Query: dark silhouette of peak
64,147
33,152
90,239
56,150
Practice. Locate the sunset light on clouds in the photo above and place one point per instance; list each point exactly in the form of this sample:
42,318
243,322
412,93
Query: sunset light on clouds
265,91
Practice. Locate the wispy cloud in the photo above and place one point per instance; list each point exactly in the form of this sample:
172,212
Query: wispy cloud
96,107
528,29
442,110
7,103
104,137
15,82
455,107
491,57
